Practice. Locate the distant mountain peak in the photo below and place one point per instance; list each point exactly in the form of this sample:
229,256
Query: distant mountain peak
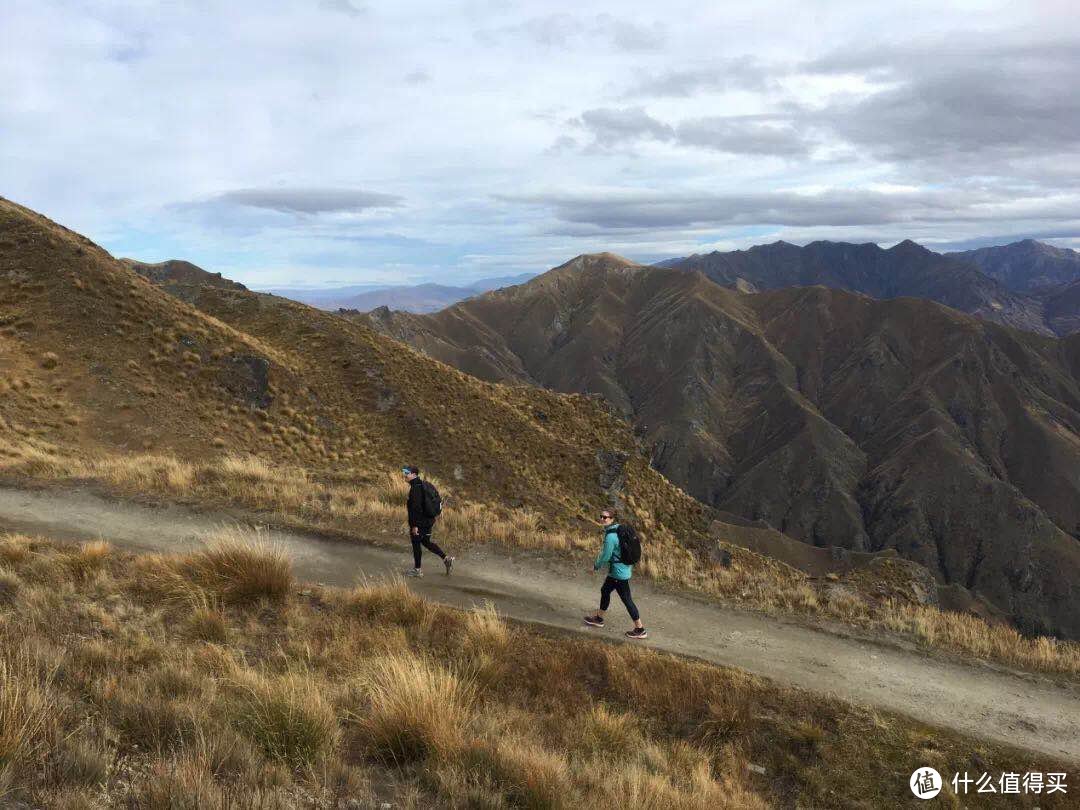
779,244
910,246
608,258
592,261
1027,266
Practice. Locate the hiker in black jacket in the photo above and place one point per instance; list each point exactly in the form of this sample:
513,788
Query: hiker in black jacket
420,523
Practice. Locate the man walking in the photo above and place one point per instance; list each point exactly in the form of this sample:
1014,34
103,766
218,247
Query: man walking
423,506
618,578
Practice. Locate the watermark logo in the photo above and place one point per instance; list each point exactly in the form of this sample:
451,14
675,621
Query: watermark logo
925,783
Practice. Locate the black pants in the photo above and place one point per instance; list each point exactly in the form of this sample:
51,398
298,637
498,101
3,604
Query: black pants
424,539
622,588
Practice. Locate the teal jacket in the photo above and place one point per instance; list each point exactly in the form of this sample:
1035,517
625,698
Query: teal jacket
609,555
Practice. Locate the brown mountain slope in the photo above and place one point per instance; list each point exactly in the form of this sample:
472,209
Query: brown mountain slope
97,361
837,418
178,271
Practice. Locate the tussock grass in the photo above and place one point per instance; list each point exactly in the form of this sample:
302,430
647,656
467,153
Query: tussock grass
951,630
641,786
235,567
26,712
89,558
605,730
485,630
375,506
243,568
150,720
528,775
208,623
314,700
287,717
416,709
388,602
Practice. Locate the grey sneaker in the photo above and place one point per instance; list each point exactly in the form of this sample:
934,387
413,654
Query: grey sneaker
449,563
414,572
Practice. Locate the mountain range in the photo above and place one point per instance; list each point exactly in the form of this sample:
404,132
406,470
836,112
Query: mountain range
405,297
1027,285
836,417
1027,265
840,419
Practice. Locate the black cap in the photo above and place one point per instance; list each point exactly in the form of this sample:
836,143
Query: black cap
409,468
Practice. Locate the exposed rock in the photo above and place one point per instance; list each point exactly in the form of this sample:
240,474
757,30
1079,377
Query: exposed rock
721,556
247,377
612,464
911,579
385,400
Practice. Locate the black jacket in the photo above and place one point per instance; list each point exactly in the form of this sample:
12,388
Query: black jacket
415,505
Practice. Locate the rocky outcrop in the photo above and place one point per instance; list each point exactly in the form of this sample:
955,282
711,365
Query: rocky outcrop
247,377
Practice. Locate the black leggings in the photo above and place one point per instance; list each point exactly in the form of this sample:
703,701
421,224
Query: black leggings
424,539
622,588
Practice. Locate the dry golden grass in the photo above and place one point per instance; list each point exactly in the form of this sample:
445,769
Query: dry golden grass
235,567
287,717
415,709
485,629
960,631
25,713
109,700
375,507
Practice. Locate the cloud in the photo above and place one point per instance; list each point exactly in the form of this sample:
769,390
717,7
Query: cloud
612,126
349,7
747,135
751,135
950,106
632,209
630,36
563,31
563,144
943,108
663,128
309,200
740,73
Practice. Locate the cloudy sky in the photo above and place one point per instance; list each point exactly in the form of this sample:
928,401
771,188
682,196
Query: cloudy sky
351,141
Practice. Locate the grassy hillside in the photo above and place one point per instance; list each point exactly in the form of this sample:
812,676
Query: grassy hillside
100,363
838,419
304,417
211,680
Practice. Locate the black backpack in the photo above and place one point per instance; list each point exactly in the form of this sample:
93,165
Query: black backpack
629,545
432,501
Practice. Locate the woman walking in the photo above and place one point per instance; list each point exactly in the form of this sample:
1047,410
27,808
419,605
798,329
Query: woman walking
618,578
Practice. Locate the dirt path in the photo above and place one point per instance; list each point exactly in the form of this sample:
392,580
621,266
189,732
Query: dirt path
1028,712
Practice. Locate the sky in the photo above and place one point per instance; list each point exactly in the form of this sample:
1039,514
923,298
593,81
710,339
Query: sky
335,142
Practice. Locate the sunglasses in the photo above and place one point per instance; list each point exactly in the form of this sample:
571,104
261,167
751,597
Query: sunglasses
605,517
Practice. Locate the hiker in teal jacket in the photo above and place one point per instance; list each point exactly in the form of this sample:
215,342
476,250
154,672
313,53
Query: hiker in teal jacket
618,578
